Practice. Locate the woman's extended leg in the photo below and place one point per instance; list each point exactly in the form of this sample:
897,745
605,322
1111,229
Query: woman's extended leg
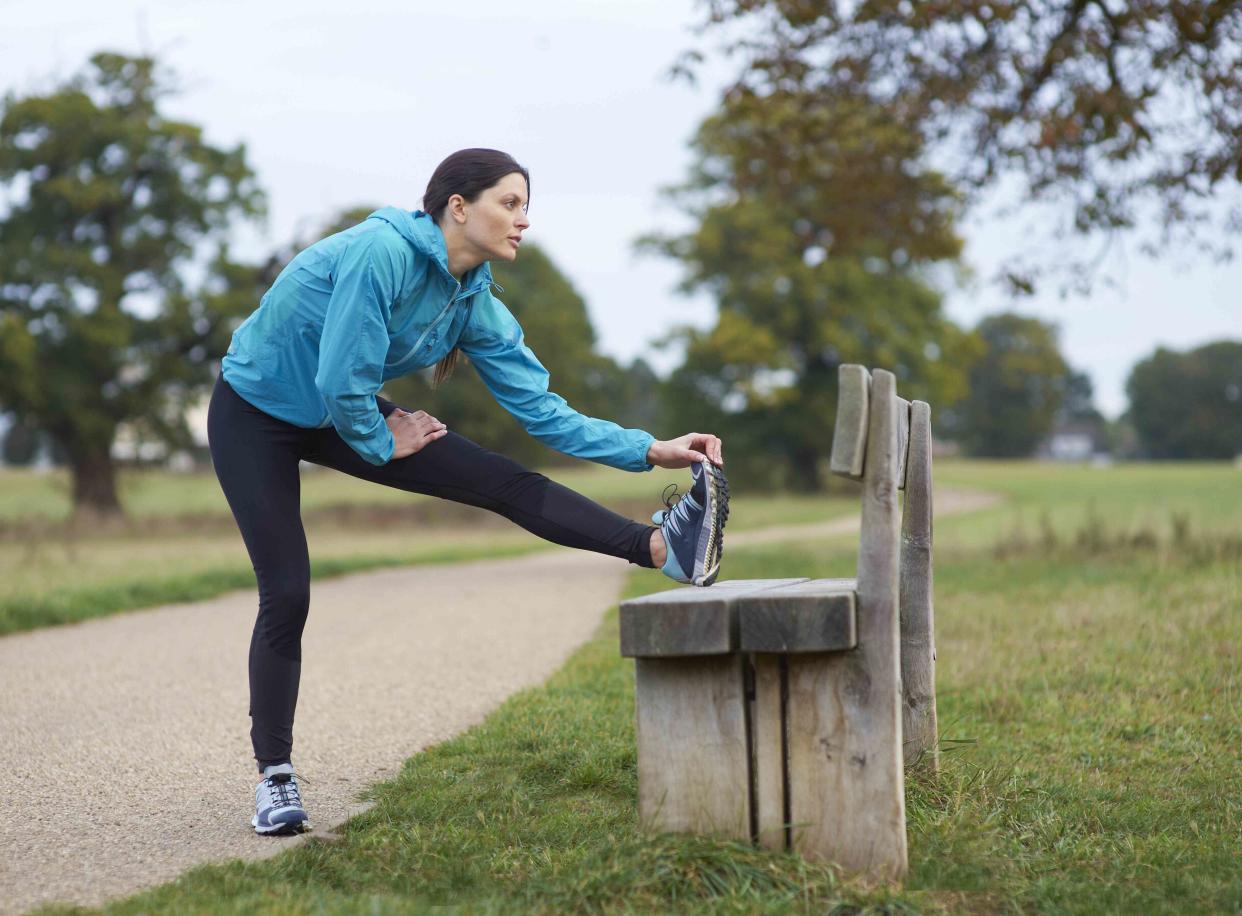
456,468
256,459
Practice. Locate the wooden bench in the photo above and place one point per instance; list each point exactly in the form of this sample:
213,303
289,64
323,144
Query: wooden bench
784,711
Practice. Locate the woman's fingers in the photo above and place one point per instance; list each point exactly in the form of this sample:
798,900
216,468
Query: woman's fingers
423,421
704,446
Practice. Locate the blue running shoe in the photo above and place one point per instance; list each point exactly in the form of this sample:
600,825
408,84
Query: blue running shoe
693,527
277,802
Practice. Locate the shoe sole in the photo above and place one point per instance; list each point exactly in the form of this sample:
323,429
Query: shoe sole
280,829
718,513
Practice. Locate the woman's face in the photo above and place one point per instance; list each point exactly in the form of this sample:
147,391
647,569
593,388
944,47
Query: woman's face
495,220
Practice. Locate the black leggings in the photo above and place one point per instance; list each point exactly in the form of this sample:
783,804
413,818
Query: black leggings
256,459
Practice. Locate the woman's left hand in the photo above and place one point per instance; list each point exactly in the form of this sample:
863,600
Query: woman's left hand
685,451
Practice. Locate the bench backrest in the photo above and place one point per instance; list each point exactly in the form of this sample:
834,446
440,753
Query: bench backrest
885,441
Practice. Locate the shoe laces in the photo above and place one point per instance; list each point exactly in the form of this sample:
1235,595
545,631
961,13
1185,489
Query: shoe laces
283,790
671,499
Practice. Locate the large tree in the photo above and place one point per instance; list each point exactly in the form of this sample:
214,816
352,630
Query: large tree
116,285
1189,405
1122,113
817,228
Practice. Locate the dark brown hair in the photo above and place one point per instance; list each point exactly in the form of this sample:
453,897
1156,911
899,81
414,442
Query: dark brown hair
468,172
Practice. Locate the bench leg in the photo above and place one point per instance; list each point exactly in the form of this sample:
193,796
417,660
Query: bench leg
846,779
846,793
918,649
768,751
693,759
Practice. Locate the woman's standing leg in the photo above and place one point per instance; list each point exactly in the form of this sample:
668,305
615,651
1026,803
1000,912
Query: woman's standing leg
256,460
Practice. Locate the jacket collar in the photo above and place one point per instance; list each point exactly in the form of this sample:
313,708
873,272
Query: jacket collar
421,231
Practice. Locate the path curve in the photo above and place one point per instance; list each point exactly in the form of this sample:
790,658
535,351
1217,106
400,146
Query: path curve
124,757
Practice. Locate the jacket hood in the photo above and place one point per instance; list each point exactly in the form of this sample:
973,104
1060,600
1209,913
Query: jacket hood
421,231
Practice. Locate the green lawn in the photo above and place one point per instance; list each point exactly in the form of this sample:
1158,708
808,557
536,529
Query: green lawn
44,496
1091,728
1124,497
181,544
159,494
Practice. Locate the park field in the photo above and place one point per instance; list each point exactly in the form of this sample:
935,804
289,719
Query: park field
1089,635
180,543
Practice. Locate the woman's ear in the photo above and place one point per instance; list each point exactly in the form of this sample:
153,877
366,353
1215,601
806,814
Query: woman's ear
456,208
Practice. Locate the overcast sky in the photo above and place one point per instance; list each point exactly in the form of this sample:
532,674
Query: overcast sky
344,104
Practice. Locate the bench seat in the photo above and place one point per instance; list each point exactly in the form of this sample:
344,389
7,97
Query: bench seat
747,615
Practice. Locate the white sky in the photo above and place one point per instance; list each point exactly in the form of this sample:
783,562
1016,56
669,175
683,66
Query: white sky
345,104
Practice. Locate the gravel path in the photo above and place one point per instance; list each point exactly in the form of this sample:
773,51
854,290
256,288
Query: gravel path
124,750
125,757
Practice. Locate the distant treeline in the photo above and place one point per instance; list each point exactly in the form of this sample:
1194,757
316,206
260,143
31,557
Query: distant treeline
818,225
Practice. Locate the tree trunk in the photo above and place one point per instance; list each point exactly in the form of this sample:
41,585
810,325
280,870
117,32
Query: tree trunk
94,484
804,471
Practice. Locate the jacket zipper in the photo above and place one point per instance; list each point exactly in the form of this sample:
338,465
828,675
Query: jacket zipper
431,327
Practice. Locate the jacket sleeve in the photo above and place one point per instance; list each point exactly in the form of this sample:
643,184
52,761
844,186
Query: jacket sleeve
494,343
354,344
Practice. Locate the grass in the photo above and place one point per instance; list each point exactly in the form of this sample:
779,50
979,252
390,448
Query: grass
1127,497
1091,730
40,499
111,576
58,572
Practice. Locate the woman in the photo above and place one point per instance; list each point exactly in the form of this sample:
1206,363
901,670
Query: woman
399,292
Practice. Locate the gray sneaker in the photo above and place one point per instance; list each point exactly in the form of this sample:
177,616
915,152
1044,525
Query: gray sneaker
278,803
693,527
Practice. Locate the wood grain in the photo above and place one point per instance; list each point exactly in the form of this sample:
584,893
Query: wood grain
813,616
693,761
687,621
768,751
846,792
849,437
918,649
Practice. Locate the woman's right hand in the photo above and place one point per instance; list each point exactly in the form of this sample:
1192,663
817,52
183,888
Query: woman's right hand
412,431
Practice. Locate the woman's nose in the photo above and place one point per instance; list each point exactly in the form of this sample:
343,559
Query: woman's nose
523,221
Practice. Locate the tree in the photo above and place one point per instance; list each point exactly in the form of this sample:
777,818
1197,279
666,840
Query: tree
1118,110
816,228
20,445
110,209
1189,405
1015,388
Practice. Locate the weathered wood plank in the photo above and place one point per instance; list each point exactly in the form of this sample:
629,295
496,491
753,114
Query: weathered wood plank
687,621
846,792
918,643
814,616
849,437
903,440
768,751
693,761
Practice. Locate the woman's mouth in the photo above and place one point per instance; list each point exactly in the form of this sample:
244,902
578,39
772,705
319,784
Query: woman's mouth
516,240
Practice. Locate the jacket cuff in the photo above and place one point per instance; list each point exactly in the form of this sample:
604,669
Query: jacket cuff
640,460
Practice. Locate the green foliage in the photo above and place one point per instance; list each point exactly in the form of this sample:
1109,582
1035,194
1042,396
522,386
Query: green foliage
1114,110
20,446
1189,405
558,329
1016,388
110,209
816,227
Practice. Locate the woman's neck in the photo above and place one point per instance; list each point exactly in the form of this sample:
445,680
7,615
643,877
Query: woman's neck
462,258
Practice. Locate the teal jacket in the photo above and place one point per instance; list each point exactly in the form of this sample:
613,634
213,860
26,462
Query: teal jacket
376,302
